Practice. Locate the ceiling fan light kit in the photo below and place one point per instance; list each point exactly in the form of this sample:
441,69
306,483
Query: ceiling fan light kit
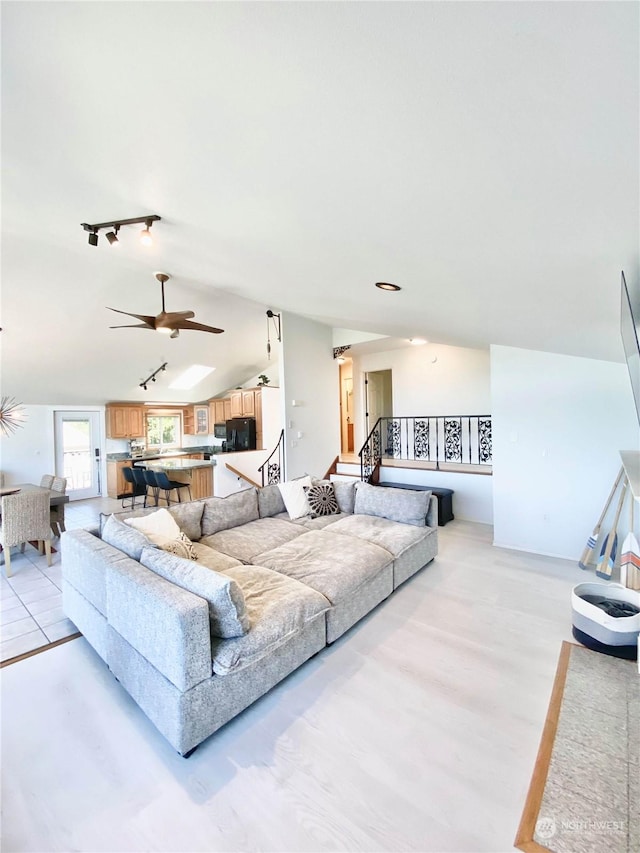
145,235
166,322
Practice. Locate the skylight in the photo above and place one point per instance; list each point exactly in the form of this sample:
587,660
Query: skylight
191,377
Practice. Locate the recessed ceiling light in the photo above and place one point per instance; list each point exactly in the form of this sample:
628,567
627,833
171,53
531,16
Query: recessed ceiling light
191,377
417,341
384,285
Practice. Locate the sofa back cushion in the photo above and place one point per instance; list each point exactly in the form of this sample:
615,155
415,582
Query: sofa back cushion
227,609
404,505
232,511
125,538
345,492
188,516
270,501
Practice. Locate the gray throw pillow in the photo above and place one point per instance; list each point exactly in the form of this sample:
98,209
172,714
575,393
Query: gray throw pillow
125,538
227,610
270,501
404,505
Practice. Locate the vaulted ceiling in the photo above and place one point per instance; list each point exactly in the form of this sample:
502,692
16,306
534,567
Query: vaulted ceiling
484,156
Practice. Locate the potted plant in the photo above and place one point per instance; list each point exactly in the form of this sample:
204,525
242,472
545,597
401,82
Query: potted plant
263,380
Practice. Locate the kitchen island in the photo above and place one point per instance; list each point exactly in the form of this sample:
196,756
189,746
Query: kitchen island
196,473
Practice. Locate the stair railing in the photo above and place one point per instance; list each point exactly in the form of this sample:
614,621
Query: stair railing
272,469
434,439
370,452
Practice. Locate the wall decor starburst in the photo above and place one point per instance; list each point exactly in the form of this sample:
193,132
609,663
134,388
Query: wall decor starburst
12,415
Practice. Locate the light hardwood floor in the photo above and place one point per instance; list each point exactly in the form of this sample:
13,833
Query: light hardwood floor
416,731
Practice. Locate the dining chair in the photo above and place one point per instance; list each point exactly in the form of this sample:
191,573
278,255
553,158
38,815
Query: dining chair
25,518
56,514
168,486
138,490
47,481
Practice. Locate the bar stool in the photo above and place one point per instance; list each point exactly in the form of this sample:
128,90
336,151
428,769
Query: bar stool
150,480
141,483
137,489
168,486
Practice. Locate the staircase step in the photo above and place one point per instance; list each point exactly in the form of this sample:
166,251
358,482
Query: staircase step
346,477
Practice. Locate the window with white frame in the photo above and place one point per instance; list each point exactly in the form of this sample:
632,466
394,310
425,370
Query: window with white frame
164,431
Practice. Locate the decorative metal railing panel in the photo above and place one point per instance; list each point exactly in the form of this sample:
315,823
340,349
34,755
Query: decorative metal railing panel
436,439
272,469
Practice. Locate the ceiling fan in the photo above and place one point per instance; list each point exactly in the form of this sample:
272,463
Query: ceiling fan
168,322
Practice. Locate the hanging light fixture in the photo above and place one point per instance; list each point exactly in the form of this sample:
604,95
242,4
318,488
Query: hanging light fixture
145,235
112,236
276,326
12,415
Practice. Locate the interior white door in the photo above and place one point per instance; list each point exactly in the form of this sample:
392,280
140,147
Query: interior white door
78,457
378,396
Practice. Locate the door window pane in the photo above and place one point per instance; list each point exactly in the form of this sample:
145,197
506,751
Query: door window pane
76,441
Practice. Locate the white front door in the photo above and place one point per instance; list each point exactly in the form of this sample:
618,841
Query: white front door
77,441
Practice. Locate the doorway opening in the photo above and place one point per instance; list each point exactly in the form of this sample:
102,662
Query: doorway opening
77,450
347,440
378,396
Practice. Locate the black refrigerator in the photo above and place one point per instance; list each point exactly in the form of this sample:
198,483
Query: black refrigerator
241,434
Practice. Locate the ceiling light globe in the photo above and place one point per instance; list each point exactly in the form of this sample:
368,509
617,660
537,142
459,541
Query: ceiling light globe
145,237
164,330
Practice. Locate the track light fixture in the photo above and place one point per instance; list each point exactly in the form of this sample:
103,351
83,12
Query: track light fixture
116,224
276,325
152,377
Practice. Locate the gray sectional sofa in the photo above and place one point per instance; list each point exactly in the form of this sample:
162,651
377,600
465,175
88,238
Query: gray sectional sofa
195,641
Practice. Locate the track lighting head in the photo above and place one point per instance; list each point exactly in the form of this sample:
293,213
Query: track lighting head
112,236
116,224
145,235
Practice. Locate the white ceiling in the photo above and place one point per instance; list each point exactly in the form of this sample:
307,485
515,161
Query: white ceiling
484,156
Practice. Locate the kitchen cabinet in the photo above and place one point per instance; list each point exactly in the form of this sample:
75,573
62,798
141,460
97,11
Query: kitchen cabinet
125,421
243,403
201,419
219,411
116,483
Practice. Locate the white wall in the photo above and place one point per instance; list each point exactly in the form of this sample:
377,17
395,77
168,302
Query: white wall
310,377
29,452
558,424
427,380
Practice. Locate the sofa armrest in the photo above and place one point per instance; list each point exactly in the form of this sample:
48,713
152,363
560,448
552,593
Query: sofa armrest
166,624
432,512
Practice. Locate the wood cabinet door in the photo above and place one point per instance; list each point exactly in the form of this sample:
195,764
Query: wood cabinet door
248,404
136,423
201,418
117,422
236,404
227,408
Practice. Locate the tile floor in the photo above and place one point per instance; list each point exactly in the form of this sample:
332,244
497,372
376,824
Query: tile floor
31,599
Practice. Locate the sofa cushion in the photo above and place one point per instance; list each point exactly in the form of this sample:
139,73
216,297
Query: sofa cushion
213,559
295,498
227,612
322,521
188,516
391,535
345,492
270,501
232,511
404,505
278,608
126,538
320,559
250,539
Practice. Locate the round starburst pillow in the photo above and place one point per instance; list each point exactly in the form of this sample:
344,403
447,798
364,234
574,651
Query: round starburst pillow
322,499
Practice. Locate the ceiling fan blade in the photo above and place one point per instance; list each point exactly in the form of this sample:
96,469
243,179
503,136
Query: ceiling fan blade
146,318
172,316
196,327
134,326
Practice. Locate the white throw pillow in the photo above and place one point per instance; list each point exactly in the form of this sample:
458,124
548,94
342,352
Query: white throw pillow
160,527
295,498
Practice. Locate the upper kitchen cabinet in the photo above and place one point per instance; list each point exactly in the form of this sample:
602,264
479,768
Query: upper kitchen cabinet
219,411
243,403
124,421
201,419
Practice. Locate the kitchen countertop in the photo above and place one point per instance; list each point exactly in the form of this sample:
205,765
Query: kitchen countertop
175,464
